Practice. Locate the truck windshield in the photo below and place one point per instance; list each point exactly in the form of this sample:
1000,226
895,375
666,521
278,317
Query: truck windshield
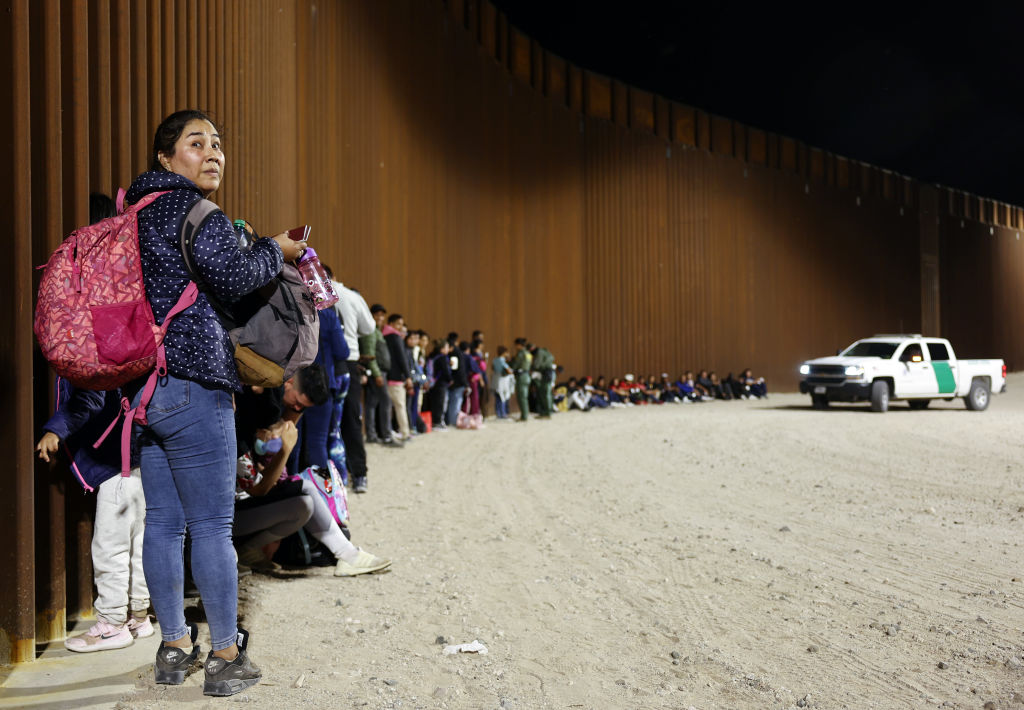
871,349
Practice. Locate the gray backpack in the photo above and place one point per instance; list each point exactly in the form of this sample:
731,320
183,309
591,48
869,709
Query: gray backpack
275,329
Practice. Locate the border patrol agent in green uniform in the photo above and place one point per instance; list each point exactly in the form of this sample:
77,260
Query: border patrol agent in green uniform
521,366
544,364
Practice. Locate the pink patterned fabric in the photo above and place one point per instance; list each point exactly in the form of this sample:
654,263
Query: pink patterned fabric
93,321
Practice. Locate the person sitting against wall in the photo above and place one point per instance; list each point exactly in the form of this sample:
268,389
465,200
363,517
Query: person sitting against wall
733,387
630,390
705,386
264,415
561,393
669,393
581,394
652,390
755,386
616,393
268,507
687,387
598,393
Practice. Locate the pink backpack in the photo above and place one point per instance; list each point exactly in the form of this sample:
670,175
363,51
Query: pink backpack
328,484
93,320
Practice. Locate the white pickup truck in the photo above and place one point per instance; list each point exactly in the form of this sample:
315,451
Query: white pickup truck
901,367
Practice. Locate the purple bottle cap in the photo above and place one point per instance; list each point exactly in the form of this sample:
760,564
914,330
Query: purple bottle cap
310,253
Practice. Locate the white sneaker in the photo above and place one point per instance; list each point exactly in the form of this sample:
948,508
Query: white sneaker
140,628
365,563
101,637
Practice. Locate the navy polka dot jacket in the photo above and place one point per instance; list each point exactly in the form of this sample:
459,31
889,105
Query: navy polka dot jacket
198,348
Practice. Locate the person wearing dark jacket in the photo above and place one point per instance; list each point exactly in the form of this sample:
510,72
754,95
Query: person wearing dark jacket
439,378
477,379
316,422
80,419
373,349
357,321
459,363
399,376
412,400
187,445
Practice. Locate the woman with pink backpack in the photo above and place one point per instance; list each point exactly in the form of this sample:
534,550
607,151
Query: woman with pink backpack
187,443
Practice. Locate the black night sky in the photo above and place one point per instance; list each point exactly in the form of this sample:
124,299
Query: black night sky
931,91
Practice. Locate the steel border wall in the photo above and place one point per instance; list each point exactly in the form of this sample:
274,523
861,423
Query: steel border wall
456,171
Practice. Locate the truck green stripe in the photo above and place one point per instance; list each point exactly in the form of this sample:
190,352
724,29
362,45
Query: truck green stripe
944,377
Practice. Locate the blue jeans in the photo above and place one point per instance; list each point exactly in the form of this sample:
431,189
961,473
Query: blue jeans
455,395
500,407
437,397
412,404
316,425
188,454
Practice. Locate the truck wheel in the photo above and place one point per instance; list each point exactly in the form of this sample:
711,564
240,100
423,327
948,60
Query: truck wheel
879,396
977,399
919,403
819,401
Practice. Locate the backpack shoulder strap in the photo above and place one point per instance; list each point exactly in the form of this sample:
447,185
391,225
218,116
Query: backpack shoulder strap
197,215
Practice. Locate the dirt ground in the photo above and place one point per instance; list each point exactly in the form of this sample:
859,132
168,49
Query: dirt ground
721,555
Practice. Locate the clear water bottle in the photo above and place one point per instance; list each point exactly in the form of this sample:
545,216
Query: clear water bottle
245,234
318,285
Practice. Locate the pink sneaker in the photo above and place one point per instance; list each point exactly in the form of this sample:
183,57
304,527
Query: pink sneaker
140,628
101,637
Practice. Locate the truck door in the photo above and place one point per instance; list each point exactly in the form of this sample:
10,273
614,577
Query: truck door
944,368
914,376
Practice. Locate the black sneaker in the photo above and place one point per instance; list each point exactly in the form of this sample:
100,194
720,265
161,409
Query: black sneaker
359,484
173,664
230,677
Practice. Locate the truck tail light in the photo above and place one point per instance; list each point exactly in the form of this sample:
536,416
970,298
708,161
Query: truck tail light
1004,370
